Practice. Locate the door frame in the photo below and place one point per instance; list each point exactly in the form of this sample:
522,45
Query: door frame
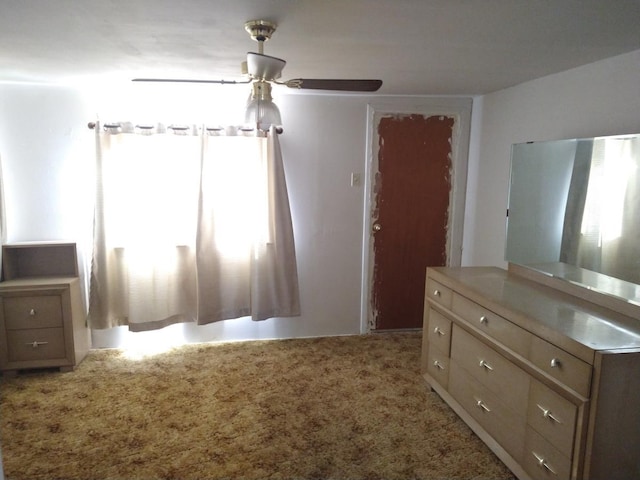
458,108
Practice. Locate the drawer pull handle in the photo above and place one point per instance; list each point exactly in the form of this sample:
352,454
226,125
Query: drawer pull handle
484,364
436,293
438,365
438,331
480,404
542,463
32,312
484,320
36,344
546,413
555,363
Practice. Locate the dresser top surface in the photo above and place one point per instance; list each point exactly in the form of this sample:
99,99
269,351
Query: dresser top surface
542,310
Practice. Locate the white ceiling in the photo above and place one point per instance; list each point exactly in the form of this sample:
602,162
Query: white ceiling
414,46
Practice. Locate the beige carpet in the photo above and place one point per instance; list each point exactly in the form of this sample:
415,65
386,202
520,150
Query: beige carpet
328,408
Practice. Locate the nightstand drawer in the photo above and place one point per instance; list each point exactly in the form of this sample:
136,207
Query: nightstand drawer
439,293
41,311
561,365
494,371
439,333
35,344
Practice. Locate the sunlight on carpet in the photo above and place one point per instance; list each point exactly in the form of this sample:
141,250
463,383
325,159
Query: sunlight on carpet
141,345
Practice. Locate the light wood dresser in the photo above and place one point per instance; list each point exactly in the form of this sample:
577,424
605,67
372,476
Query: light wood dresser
548,380
42,315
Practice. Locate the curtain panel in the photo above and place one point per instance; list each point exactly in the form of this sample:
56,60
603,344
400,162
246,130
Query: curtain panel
190,224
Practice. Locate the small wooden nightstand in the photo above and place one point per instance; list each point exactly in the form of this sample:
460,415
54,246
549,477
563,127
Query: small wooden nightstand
42,315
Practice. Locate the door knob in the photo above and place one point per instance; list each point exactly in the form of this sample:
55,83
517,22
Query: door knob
377,227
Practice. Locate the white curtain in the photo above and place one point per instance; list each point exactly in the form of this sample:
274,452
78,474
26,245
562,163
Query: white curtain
190,225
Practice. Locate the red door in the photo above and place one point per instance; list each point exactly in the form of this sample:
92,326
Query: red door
410,216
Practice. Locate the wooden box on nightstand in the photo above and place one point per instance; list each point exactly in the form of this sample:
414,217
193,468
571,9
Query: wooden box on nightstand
42,315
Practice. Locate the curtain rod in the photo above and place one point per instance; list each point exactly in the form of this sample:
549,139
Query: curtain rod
92,126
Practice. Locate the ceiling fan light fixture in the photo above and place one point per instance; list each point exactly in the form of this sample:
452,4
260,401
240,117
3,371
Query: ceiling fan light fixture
261,111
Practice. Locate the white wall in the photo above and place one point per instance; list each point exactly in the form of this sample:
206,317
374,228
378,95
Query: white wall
43,147
47,151
602,98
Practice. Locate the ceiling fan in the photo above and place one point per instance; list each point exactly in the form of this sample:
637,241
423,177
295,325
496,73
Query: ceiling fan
261,69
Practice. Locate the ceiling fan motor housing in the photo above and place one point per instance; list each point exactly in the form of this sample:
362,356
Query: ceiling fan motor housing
264,67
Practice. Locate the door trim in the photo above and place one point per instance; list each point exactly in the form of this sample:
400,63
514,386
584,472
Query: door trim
460,110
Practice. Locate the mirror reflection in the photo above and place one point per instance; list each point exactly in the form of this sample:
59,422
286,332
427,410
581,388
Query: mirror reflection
574,211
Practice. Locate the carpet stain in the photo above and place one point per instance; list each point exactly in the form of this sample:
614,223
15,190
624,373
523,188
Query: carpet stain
351,407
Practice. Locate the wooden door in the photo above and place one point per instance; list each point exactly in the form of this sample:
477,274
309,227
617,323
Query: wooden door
412,190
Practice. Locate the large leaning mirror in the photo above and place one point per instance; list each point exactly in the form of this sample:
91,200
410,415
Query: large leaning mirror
574,212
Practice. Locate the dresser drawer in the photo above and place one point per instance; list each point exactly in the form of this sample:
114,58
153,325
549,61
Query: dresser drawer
35,344
561,365
439,331
493,370
553,417
542,461
507,427
502,330
438,293
39,311
438,366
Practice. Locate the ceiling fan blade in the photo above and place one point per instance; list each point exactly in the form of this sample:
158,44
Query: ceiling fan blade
181,80
343,85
